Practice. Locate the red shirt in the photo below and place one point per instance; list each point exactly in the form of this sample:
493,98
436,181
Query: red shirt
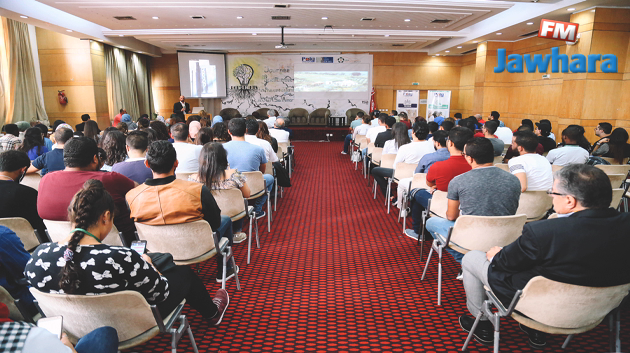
57,189
480,134
442,172
117,120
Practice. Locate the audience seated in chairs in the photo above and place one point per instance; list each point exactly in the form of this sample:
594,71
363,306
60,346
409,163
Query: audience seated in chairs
571,152
279,131
602,131
469,194
53,160
56,190
215,174
187,153
503,133
359,130
246,157
532,169
439,175
250,136
595,234
11,140
488,129
543,131
33,143
114,145
614,146
386,135
13,259
263,133
82,265
134,167
18,200
167,200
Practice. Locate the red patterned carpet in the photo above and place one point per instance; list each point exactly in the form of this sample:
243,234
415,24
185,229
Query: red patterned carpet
337,275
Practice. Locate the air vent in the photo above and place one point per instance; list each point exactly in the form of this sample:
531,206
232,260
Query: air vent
529,34
183,45
368,19
280,6
398,45
198,17
125,18
440,21
470,51
280,18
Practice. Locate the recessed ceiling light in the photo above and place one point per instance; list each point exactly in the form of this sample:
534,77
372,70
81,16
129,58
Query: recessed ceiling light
121,35
24,16
475,41
68,30
437,54
530,23
100,40
499,33
571,9
155,18
459,47
254,34
324,18
407,20
239,17
387,35
447,51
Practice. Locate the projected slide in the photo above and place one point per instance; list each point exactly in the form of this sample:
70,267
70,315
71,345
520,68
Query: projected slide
331,81
203,78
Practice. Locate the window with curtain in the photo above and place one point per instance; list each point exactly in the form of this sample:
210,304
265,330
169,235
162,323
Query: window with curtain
128,84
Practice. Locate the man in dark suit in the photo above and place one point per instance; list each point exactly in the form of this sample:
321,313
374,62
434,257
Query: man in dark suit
586,245
386,135
182,108
84,118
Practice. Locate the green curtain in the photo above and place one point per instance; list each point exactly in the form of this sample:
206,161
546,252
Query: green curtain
26,103
127,82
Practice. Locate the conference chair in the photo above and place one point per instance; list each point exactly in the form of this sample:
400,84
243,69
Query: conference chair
375,159
419,181
183,176
23,230
298,116
287,148
258,188
189,243
387,161
269,169
503,166
534,204
351,114
614,169
613,162
263,112
402,170
555,168
127,311
233,205
556,308
498,160
474,233
319,117
59,230
616,180
506,147
15,313
616,197
32,180
368,155
359,140
228,113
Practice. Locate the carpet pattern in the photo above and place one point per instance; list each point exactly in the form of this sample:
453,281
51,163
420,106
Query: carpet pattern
335,274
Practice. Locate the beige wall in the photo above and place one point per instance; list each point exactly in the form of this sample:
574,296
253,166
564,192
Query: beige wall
78,67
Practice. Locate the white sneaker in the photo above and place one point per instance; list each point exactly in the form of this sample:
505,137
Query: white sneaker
460,275
411,234
239,238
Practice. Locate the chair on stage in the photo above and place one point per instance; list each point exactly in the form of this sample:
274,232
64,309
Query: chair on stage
263,112
352,113
298,116
319,117
228,113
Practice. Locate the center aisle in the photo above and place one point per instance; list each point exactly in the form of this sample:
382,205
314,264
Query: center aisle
336,274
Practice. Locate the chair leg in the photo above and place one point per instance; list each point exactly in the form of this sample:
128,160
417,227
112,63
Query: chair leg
496,338
439,289
257,240
389,193
374,189
268,214
249,240
238,282
192,340
566,341
617,330
472,330
275,199
224,271
426,265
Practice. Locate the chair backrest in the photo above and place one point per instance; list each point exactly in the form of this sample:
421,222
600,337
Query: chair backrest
612,161
506,147
280,153
228,113
59,230
616,198
484,232
534,204
555,168
32,180
298,116
439,203
263,112
9,301
419,181
359,138
184,241
503,166
256,184
404,170
370,147
387,160
377,154
567,305
614,169
319,116
126,311
183,176
498,160
284,146
231,203
616,180
23,229
269,168
352,113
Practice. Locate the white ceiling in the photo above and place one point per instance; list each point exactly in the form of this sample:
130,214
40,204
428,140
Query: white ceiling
474,20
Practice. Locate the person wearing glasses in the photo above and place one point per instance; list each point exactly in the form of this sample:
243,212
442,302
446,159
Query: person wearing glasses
586,245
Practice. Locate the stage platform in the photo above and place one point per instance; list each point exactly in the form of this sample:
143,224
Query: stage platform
318,133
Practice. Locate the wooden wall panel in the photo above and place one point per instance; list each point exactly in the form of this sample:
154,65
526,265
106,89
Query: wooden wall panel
165,84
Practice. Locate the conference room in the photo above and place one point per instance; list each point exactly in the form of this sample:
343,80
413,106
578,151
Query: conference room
414,176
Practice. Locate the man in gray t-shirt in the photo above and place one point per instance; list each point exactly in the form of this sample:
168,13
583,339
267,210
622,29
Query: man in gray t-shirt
484,191
488,129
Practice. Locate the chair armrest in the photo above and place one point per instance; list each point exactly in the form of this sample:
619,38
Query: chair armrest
497,303
160,322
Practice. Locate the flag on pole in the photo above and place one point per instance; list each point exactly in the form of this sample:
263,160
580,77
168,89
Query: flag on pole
372,100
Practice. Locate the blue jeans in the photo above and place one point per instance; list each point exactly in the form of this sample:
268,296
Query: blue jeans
101,340
419,203
346,142
438,228
259,202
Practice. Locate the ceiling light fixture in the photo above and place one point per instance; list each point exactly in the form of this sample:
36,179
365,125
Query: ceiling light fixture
499,33
475,41
459,47
324,18
437,54
24,16
447,51
530,23
571,9
239,17
68,30
254,34
387,35
407,20
121,35
155,18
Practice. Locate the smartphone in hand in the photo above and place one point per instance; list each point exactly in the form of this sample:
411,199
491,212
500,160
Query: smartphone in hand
139,246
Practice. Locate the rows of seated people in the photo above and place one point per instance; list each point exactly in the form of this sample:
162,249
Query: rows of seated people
457,157
120,177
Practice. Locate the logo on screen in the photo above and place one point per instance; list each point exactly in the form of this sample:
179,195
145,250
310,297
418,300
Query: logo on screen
243,74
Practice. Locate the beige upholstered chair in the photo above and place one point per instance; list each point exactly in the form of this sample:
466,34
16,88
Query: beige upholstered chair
319,117
503,166
287,148
233,205
32,180
298,116
616,180
352,113
366,164
9,301
506,147
403,170
475,233
613,162
375,159
498,160
555,168
387,161
616,199
437,206
257,188
183,176
24,231
556,308
419,181
127,311
59,230
357,142
534,204
228,113
263,112
614,169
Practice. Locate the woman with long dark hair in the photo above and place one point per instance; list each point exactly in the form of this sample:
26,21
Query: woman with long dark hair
614,146
160,129
81,264
91,130
204,136
215,173
263,133
115,146
33,143
221,133
401,137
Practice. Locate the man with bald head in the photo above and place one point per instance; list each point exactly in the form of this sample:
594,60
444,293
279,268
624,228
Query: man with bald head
181,108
